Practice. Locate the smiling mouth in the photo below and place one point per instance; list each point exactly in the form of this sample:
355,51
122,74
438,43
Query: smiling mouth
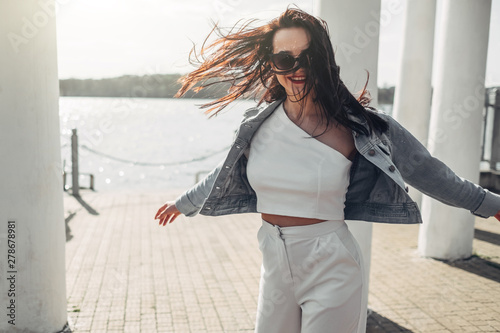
297,79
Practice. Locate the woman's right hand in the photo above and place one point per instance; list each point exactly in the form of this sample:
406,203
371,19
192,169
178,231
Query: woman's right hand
167,213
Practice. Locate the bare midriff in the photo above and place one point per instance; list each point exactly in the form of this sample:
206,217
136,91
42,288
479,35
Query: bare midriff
289,221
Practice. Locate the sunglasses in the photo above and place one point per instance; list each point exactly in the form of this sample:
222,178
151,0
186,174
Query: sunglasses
285,62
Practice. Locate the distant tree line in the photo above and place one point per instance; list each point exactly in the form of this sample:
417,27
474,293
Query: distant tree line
156,86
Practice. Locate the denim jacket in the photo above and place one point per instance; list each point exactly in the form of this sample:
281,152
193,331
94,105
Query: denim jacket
376,192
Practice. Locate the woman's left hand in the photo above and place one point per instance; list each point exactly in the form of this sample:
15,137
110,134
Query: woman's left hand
498,216
167,213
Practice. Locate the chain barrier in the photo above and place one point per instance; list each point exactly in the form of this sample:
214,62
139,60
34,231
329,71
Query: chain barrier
201,158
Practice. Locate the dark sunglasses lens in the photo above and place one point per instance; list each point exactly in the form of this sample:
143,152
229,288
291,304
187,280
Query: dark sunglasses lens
304,60
283,61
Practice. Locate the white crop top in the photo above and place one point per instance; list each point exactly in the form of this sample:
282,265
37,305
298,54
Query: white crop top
294,174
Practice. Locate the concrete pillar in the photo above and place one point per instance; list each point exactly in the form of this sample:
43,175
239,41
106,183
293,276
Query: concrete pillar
412,100
456,120
355,38
32,231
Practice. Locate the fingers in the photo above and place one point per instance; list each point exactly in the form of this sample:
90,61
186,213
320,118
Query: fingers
167,213
173,217
161,210
164,218
168,218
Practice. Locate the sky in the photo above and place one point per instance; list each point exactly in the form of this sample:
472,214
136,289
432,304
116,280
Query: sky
98,39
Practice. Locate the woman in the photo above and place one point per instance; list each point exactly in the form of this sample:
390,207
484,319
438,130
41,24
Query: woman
310,159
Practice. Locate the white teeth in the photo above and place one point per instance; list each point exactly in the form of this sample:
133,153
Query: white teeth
298,78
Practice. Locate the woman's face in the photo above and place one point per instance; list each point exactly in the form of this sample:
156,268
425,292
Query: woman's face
292,41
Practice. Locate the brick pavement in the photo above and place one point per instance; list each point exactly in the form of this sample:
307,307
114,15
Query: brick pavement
124,273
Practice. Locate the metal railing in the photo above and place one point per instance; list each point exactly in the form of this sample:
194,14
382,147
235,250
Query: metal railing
75,174
491,128
490,177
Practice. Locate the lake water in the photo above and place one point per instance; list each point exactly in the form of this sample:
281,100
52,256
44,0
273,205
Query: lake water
146,143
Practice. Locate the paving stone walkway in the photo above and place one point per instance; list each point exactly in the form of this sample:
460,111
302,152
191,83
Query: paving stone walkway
125,273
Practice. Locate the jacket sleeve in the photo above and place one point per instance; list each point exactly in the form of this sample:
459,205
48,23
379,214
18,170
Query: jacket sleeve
432,177
190,202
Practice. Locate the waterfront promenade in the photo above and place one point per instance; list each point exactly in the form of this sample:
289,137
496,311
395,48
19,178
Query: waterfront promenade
124,273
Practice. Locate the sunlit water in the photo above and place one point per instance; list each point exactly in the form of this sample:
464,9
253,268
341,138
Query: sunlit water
160,135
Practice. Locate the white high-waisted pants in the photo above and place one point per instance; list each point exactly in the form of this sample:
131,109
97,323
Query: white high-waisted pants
312,280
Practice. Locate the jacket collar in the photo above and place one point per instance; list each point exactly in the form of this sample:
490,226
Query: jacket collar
261,114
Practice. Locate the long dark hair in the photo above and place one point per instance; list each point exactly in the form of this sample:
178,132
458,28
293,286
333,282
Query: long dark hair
241,57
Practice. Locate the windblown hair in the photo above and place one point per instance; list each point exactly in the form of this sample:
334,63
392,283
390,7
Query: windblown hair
241,57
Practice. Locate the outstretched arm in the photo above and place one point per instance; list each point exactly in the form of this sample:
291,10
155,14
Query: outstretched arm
190,202
433,178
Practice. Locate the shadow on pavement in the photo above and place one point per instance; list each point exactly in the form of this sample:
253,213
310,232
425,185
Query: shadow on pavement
68,218
478,266
69,236
66,329
85,205
487,236
376,323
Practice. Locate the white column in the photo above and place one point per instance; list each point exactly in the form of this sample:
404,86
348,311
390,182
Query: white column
355,38
455,127
32,284
412,100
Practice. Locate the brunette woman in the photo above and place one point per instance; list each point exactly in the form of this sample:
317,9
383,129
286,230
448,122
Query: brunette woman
310,157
